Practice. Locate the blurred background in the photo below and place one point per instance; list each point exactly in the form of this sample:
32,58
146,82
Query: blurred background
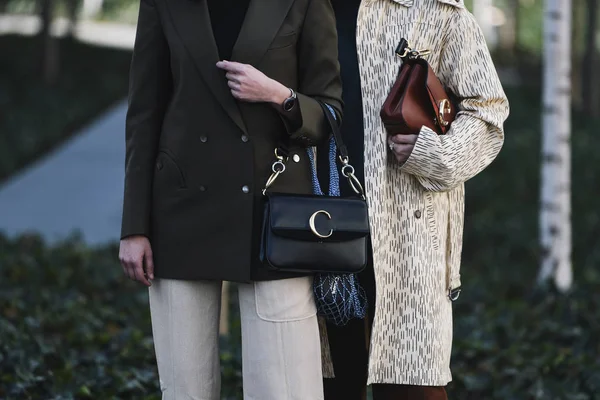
72,327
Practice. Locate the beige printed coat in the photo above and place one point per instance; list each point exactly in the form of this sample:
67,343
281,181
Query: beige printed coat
417,209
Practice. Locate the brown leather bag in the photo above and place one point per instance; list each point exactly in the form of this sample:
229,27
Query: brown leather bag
418,98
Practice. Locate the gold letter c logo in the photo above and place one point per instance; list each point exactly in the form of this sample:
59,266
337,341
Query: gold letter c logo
311,223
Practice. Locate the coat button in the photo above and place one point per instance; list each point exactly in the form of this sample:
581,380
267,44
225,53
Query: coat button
418,214
244,138
159,166
296,158
203,139
245,189
203,188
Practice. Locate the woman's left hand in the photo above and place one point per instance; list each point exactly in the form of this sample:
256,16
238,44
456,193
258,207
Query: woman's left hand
402,145
249,84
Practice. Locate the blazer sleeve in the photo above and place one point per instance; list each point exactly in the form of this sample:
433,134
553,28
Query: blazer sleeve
319,74
149,89
476,136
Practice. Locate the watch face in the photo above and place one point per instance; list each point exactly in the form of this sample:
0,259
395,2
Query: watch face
289,103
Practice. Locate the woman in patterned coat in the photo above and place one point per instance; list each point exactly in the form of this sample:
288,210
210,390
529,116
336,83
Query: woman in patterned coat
415,185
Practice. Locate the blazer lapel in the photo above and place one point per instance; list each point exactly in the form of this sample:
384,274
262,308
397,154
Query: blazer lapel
262,22
192,22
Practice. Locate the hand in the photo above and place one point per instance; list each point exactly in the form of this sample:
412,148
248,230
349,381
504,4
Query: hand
249,84
402,146
135,254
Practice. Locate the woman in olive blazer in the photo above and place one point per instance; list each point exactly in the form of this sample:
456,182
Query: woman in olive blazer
215,86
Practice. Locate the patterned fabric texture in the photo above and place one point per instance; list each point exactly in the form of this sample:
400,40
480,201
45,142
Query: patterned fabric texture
417,209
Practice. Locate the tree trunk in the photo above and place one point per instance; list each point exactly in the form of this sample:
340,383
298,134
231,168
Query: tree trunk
588,81
482,10
224,318
578,41
91,8
555,211
50,55
508,33
72,9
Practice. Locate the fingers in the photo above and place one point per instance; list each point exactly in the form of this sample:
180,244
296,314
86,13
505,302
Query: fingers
233,77
149,263
234,85
231,66
134,257
140,276
402,152
130,264
405,139
402,146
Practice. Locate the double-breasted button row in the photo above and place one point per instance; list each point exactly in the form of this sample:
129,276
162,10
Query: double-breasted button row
244,138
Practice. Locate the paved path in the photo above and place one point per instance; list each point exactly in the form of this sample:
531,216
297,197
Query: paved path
101,33
79,187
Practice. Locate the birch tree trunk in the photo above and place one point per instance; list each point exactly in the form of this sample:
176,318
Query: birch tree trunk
224,318
49,44
555,211
482,11
588,76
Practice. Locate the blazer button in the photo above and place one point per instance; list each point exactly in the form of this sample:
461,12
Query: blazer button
159,166
203,139
244,138
418,214
203,188
245,189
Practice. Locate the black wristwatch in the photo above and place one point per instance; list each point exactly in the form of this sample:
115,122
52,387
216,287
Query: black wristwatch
289,103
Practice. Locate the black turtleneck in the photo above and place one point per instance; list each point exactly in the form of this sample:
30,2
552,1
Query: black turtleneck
227,17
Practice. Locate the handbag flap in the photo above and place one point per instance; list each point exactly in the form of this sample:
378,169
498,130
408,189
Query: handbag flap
445,110
318,218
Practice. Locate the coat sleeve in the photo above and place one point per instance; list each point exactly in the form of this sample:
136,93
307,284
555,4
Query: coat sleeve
149,90
319,74
476,136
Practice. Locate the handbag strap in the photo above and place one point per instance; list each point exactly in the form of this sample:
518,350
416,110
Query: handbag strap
334,176
282,153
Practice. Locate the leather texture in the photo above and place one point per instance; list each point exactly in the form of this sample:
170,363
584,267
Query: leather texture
294,225
289,244
417,99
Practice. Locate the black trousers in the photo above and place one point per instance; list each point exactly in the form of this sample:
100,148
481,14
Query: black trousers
350,353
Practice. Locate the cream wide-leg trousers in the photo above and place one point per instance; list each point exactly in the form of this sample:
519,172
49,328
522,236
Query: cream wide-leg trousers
281,353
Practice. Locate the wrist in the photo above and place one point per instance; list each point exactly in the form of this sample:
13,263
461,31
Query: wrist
280,94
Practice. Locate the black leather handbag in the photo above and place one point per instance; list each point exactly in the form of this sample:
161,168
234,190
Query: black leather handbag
316,233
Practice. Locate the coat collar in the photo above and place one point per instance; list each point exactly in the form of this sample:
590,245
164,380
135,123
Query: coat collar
192,21
410,3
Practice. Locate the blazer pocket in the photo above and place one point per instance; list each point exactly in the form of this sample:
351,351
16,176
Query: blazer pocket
283,41
168,174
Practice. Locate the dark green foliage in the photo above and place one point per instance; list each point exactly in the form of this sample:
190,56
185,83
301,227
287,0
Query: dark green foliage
513,341
71,327
33,117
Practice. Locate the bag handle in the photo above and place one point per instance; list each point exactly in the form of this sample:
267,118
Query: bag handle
281,155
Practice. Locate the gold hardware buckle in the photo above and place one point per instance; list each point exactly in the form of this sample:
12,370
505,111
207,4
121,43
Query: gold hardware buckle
445,108
413,54
313,228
